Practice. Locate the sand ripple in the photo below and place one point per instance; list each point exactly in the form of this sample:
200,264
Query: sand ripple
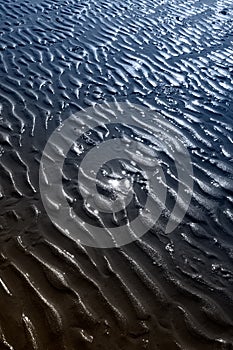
166,291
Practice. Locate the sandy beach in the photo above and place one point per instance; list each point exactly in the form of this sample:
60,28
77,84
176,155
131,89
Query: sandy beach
162,291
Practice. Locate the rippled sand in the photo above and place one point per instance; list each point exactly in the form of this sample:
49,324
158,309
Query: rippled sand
163,292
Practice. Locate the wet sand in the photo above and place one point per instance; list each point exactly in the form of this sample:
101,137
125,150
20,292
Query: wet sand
162,292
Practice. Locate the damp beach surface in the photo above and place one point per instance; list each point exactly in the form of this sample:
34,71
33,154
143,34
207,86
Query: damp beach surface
163,291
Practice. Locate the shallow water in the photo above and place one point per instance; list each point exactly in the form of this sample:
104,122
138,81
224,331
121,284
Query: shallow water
163,291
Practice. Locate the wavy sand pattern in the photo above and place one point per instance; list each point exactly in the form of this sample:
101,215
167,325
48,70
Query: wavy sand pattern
166,291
